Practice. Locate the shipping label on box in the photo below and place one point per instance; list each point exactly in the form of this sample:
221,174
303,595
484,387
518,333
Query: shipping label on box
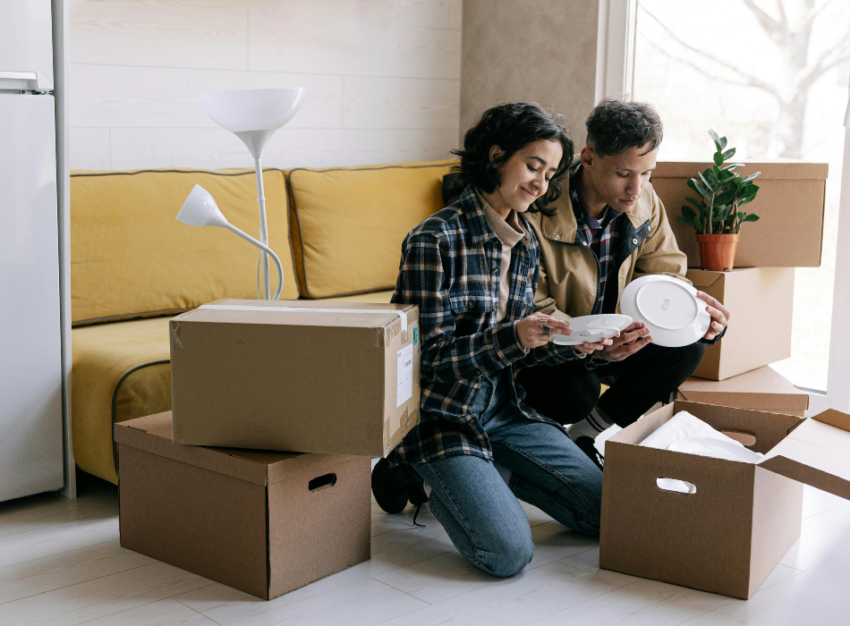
329,377
761,302
730,531
262,522
790,205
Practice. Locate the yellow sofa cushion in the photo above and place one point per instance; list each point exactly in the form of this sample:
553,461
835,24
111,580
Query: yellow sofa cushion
131,258
122,368
348,223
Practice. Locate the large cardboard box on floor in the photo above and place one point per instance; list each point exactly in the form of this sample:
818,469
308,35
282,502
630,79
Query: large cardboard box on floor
790,205
760,301
763,389
323,377
741,518
261,522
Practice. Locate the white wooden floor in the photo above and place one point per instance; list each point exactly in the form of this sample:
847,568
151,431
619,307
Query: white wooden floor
60,563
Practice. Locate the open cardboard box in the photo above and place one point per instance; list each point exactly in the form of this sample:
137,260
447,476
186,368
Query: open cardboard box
761,301
730,534
790,204
763,389
261,522
321,377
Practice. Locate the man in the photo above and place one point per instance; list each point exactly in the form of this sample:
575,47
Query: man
608,230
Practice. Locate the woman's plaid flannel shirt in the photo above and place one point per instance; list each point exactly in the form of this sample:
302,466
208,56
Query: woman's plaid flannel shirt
450,267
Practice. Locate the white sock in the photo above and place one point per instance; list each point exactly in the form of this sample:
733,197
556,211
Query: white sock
591,426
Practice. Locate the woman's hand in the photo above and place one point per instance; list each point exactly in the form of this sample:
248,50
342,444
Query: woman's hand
538,329
590,348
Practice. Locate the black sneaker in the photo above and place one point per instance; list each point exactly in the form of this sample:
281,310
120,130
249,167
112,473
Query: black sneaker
587,446
394,486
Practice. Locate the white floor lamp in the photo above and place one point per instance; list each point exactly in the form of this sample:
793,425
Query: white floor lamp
254,115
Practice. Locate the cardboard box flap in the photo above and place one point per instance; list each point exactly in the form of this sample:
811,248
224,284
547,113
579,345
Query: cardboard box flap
314,313
816,453
152,434
703,279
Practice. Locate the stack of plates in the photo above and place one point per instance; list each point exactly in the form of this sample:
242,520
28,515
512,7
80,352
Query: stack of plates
592,328
670,309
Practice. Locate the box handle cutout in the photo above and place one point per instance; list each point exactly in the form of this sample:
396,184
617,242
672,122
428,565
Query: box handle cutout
676,486
742,437
322,482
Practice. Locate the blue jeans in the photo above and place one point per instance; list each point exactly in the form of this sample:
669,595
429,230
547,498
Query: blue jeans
480,512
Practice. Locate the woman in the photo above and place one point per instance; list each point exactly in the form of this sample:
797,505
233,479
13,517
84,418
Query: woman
472,268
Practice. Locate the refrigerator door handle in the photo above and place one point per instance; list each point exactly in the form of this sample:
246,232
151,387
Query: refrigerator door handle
32,76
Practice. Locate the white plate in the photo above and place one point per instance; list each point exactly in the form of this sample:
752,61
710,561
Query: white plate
592,328
717,448
670,309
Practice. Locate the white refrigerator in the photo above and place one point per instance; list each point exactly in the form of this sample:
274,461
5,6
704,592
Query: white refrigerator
31,426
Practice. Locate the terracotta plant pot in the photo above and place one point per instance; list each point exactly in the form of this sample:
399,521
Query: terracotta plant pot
717,252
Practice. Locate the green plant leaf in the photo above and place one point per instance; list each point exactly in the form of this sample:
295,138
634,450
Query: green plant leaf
699,204
733,166
688,212
723,143
750,217
751,177
714,136
708,186
729,153
718,158
693,183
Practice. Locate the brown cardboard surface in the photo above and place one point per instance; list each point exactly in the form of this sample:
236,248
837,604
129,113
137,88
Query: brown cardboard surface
760,301
726,537
763,389
264,539
816,453
305,381
790,204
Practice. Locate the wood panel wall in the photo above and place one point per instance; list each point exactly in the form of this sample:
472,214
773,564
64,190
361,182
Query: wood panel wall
382,79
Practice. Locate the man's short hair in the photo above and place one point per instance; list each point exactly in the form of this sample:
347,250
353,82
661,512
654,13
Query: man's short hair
615,126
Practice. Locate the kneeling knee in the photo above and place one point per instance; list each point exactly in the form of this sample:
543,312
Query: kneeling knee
510,558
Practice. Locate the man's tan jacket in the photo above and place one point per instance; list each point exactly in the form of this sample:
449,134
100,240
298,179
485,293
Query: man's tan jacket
568,270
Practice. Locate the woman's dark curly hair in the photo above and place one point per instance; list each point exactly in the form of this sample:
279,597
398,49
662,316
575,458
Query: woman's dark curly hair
512,127
615,126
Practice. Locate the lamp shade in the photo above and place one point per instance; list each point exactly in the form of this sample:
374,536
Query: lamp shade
252,109
200,209
253,114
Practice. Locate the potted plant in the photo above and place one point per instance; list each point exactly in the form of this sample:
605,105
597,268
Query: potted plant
715,213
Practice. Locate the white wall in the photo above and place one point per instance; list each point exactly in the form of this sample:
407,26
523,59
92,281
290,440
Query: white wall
382,79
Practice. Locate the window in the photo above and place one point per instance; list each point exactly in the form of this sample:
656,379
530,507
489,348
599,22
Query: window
771,75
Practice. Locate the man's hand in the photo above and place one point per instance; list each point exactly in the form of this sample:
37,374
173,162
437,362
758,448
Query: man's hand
631,339
538,329
719,315
590,348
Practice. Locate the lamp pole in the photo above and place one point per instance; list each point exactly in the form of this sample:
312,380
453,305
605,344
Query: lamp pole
264,232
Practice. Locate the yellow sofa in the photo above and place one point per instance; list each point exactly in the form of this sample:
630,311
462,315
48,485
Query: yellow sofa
338,232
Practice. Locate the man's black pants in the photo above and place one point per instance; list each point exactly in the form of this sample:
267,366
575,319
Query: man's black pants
568,392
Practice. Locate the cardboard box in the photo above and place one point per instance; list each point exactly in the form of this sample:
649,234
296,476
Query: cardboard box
763,389
730,534
790,205
761,301
323,377
261,522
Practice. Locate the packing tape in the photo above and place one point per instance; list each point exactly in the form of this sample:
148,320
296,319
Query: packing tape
245,307
175,339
